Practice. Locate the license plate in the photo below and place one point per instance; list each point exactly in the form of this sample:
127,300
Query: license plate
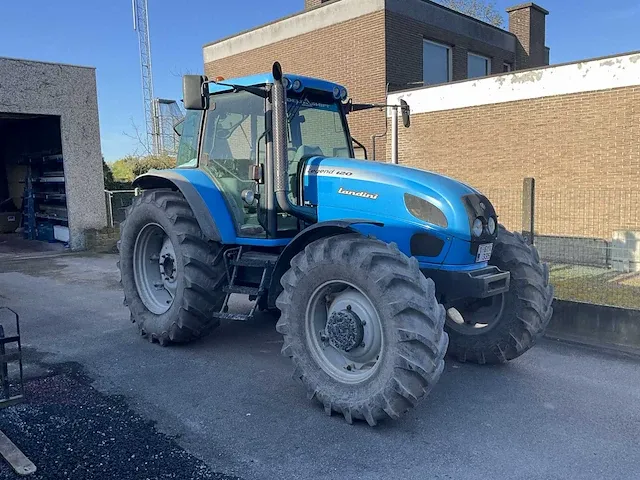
484,252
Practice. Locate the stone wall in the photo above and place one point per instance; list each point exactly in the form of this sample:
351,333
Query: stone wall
103,240
31,87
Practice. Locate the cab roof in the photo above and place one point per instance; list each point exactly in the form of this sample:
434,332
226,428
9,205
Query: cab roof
267,78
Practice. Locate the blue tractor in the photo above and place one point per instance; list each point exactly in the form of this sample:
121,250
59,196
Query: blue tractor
377,270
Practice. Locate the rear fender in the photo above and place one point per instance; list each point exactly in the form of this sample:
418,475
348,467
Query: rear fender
304,238
203,196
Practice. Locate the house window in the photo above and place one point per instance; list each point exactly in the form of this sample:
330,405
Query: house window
436,63
478,66
506,67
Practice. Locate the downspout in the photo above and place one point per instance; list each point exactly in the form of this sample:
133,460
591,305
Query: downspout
374,137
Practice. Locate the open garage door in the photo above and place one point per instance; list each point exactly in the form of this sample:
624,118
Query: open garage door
33,204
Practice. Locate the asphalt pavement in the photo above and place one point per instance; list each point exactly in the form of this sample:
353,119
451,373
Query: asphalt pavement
558,412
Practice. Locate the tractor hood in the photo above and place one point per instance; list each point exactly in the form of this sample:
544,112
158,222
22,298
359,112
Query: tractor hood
349,188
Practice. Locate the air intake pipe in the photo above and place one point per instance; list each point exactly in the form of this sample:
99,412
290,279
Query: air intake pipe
280,154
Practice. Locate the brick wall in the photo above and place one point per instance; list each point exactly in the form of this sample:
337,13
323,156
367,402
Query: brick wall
404,50
334,53
583,150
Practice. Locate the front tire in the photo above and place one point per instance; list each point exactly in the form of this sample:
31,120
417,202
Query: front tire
167,269
502,328
362,326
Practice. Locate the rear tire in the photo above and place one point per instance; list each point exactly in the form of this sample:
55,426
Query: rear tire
190,314
525,310
402,307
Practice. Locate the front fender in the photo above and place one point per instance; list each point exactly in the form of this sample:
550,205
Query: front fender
203,196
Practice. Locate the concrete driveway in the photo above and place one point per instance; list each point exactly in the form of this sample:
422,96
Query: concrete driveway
558,412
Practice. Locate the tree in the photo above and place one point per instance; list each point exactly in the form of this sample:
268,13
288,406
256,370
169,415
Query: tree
149,162
108,176
481,9
131,166
123,169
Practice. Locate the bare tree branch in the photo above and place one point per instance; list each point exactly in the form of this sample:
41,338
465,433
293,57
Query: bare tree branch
484,10
140,138
180,72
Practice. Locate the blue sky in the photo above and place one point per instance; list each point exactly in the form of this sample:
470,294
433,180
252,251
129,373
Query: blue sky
100,34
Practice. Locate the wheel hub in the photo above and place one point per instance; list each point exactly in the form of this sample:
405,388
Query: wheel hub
345,330
168,267
155,268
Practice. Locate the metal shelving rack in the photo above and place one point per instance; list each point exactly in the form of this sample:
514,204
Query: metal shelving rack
44,198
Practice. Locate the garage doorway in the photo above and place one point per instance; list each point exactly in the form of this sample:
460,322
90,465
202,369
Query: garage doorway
33,201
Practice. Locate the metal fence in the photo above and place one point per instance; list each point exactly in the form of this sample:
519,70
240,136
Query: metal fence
117,203
591,239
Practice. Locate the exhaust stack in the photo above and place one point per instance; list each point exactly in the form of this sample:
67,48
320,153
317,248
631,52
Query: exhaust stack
280,155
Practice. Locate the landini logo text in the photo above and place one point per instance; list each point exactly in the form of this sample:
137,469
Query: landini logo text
353,193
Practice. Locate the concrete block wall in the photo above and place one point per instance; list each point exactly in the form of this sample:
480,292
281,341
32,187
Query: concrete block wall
70,92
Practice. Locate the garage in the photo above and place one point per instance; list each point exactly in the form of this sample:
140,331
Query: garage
51,178
33,202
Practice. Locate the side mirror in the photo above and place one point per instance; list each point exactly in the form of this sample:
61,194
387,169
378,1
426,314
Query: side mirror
195,94
406,113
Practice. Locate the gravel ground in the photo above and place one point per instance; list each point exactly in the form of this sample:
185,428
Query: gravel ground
71,431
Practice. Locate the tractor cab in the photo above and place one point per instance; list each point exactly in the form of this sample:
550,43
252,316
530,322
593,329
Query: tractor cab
229,141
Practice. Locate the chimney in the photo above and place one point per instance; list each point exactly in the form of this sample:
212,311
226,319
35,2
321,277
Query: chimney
308,4
527,22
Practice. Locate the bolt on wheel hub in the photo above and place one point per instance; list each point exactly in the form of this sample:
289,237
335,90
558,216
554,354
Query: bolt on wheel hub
345,330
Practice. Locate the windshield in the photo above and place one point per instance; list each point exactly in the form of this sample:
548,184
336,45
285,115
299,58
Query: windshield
316,126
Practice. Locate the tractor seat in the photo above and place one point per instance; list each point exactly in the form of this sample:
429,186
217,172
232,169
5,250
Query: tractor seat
250,230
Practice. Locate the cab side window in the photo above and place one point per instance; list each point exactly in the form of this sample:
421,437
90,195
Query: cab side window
188,130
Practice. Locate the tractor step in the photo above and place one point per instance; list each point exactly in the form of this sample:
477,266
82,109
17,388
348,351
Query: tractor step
241,290
235,259
236,317
255,259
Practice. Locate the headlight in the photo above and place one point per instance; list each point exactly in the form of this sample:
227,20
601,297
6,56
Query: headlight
297,85
491,225
336,93
476,229
343,93
425,210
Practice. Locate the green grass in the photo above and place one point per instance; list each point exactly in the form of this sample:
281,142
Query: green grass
596,285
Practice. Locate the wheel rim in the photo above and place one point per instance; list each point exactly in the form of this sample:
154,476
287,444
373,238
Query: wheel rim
477,316
155,268
344,332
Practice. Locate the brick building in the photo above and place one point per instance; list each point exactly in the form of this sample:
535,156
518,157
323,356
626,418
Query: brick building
376,46
574,127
